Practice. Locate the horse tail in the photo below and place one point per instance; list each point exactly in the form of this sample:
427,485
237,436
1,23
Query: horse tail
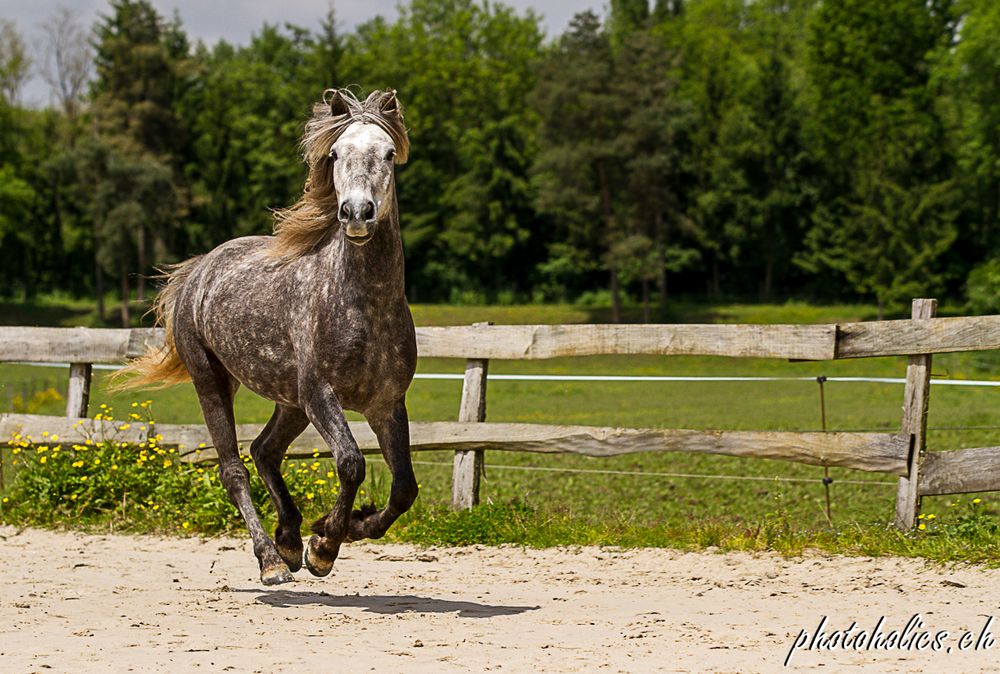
160,367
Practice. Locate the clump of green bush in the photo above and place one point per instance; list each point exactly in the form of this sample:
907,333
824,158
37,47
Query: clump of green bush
983,287
145,487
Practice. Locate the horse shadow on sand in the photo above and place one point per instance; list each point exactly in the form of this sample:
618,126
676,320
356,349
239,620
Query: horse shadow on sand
388,604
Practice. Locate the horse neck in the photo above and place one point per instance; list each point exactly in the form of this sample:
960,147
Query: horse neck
375,268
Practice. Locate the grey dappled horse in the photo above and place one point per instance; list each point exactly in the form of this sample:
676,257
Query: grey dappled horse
313,318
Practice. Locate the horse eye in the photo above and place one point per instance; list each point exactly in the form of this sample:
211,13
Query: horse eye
333,154
390,155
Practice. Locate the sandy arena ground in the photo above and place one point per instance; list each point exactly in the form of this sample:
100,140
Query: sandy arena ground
79,603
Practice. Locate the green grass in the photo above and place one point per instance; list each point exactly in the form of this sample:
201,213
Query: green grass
543,500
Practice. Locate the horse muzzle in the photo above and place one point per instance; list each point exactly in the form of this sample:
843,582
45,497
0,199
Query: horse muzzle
358,218
359,233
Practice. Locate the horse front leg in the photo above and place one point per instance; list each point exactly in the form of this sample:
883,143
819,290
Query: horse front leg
268,451
327,415
393,432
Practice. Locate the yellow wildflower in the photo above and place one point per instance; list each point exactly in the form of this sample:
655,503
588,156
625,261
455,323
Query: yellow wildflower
921,526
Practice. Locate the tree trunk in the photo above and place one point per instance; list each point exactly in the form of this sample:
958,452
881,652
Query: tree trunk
661,249
716,277
126,319
609,223
98,280
765,286
616,303
140,252
646,318
881,308
57,229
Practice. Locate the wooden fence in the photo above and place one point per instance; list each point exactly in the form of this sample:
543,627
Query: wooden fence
902,454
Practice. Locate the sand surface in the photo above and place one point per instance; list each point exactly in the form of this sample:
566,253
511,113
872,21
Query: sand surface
82,603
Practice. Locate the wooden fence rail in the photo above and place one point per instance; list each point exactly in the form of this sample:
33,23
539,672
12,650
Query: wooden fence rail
902,454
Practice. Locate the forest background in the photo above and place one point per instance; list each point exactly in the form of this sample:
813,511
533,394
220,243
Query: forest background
754,150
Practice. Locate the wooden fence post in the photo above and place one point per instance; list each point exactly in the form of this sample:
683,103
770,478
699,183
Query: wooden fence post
916,397
78,393
468,465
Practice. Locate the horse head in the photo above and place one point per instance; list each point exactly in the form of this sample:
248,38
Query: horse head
350,147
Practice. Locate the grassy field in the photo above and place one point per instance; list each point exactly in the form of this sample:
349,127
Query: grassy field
654,498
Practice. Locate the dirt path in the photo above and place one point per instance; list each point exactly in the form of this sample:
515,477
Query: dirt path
76,603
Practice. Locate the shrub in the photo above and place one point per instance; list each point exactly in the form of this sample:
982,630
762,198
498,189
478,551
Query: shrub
146,486
983,287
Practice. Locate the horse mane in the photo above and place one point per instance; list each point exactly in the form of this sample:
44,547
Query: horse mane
300,228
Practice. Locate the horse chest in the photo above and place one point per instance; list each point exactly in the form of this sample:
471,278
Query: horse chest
368,361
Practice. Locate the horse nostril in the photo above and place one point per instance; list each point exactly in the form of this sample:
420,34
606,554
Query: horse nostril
369,212
345,212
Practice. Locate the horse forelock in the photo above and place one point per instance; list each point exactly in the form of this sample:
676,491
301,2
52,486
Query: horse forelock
305,225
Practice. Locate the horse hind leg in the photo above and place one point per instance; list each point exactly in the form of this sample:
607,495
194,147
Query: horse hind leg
215,388
268,451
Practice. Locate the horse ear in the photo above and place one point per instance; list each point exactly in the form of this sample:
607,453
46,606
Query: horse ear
389,105
337,102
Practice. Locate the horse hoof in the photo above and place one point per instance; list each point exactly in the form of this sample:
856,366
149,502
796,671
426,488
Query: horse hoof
276,575
292,557
317,566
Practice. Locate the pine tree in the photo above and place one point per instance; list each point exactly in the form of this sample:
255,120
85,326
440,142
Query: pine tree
891,204
579,165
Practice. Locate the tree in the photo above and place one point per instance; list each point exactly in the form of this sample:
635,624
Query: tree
329,50
136,79
137,59
717,72
626,17
578,163
464,71
67,60
653,145
965,73
15,64
245,110
890,210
